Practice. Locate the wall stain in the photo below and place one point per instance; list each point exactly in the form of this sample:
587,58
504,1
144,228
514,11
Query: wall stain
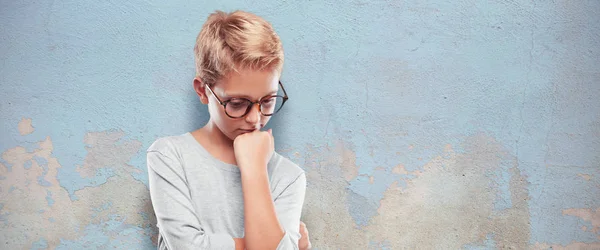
586,214
448,204
121,198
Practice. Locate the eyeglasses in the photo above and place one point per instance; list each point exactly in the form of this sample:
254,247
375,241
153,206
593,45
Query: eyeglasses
239,107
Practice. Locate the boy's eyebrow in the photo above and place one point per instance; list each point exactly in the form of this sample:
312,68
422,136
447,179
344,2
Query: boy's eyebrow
227,96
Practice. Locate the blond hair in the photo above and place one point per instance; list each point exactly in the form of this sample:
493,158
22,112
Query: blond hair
232,41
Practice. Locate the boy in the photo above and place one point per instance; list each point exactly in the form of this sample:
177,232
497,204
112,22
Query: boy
223,186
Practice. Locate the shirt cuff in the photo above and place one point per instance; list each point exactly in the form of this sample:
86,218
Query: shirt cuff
289,241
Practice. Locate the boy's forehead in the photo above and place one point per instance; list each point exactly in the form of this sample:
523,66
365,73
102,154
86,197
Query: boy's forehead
250,79
249,86
249,75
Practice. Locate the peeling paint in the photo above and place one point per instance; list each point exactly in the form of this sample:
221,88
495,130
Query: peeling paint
25,127
450,203
108,150
326,211
127,195
399,170
586,214
586,177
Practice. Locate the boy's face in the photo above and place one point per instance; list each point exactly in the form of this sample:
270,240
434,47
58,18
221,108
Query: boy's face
248,84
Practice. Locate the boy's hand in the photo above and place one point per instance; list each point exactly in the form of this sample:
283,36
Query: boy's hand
304,242
253,150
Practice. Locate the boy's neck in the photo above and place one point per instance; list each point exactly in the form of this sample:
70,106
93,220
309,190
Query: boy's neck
216,143
217,137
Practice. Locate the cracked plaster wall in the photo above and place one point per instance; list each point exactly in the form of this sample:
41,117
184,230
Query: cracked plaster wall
420,124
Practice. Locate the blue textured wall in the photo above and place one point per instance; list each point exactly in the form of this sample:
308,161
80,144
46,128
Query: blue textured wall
429,124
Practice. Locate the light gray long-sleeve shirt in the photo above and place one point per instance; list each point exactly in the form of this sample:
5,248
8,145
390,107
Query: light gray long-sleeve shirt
198,199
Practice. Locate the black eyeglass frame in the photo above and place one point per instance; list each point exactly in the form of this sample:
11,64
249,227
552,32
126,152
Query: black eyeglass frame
224,103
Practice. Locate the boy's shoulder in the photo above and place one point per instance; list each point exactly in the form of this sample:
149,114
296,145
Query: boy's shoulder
167,144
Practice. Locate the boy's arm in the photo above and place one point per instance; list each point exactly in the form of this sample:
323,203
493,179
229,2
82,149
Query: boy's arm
268,223
240,243
261,226
172,205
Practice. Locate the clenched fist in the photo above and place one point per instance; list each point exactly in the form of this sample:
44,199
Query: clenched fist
253,151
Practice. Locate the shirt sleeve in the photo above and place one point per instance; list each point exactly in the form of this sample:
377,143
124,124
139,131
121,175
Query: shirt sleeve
176,217
288,206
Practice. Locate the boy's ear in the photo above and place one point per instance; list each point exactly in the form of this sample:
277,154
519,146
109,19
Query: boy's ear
200,89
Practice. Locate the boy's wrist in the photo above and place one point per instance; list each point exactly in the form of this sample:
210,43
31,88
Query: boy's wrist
253,172
251,166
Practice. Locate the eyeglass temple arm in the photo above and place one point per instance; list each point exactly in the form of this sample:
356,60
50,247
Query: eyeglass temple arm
282,88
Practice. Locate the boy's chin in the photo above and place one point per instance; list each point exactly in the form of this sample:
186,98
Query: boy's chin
238,133
235,135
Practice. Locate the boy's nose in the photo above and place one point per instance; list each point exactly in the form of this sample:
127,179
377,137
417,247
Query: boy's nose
253,116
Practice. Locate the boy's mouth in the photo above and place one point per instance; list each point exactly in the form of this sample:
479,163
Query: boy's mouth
248,130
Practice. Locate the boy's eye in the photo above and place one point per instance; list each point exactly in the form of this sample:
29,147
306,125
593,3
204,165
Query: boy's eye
237,104
268,100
